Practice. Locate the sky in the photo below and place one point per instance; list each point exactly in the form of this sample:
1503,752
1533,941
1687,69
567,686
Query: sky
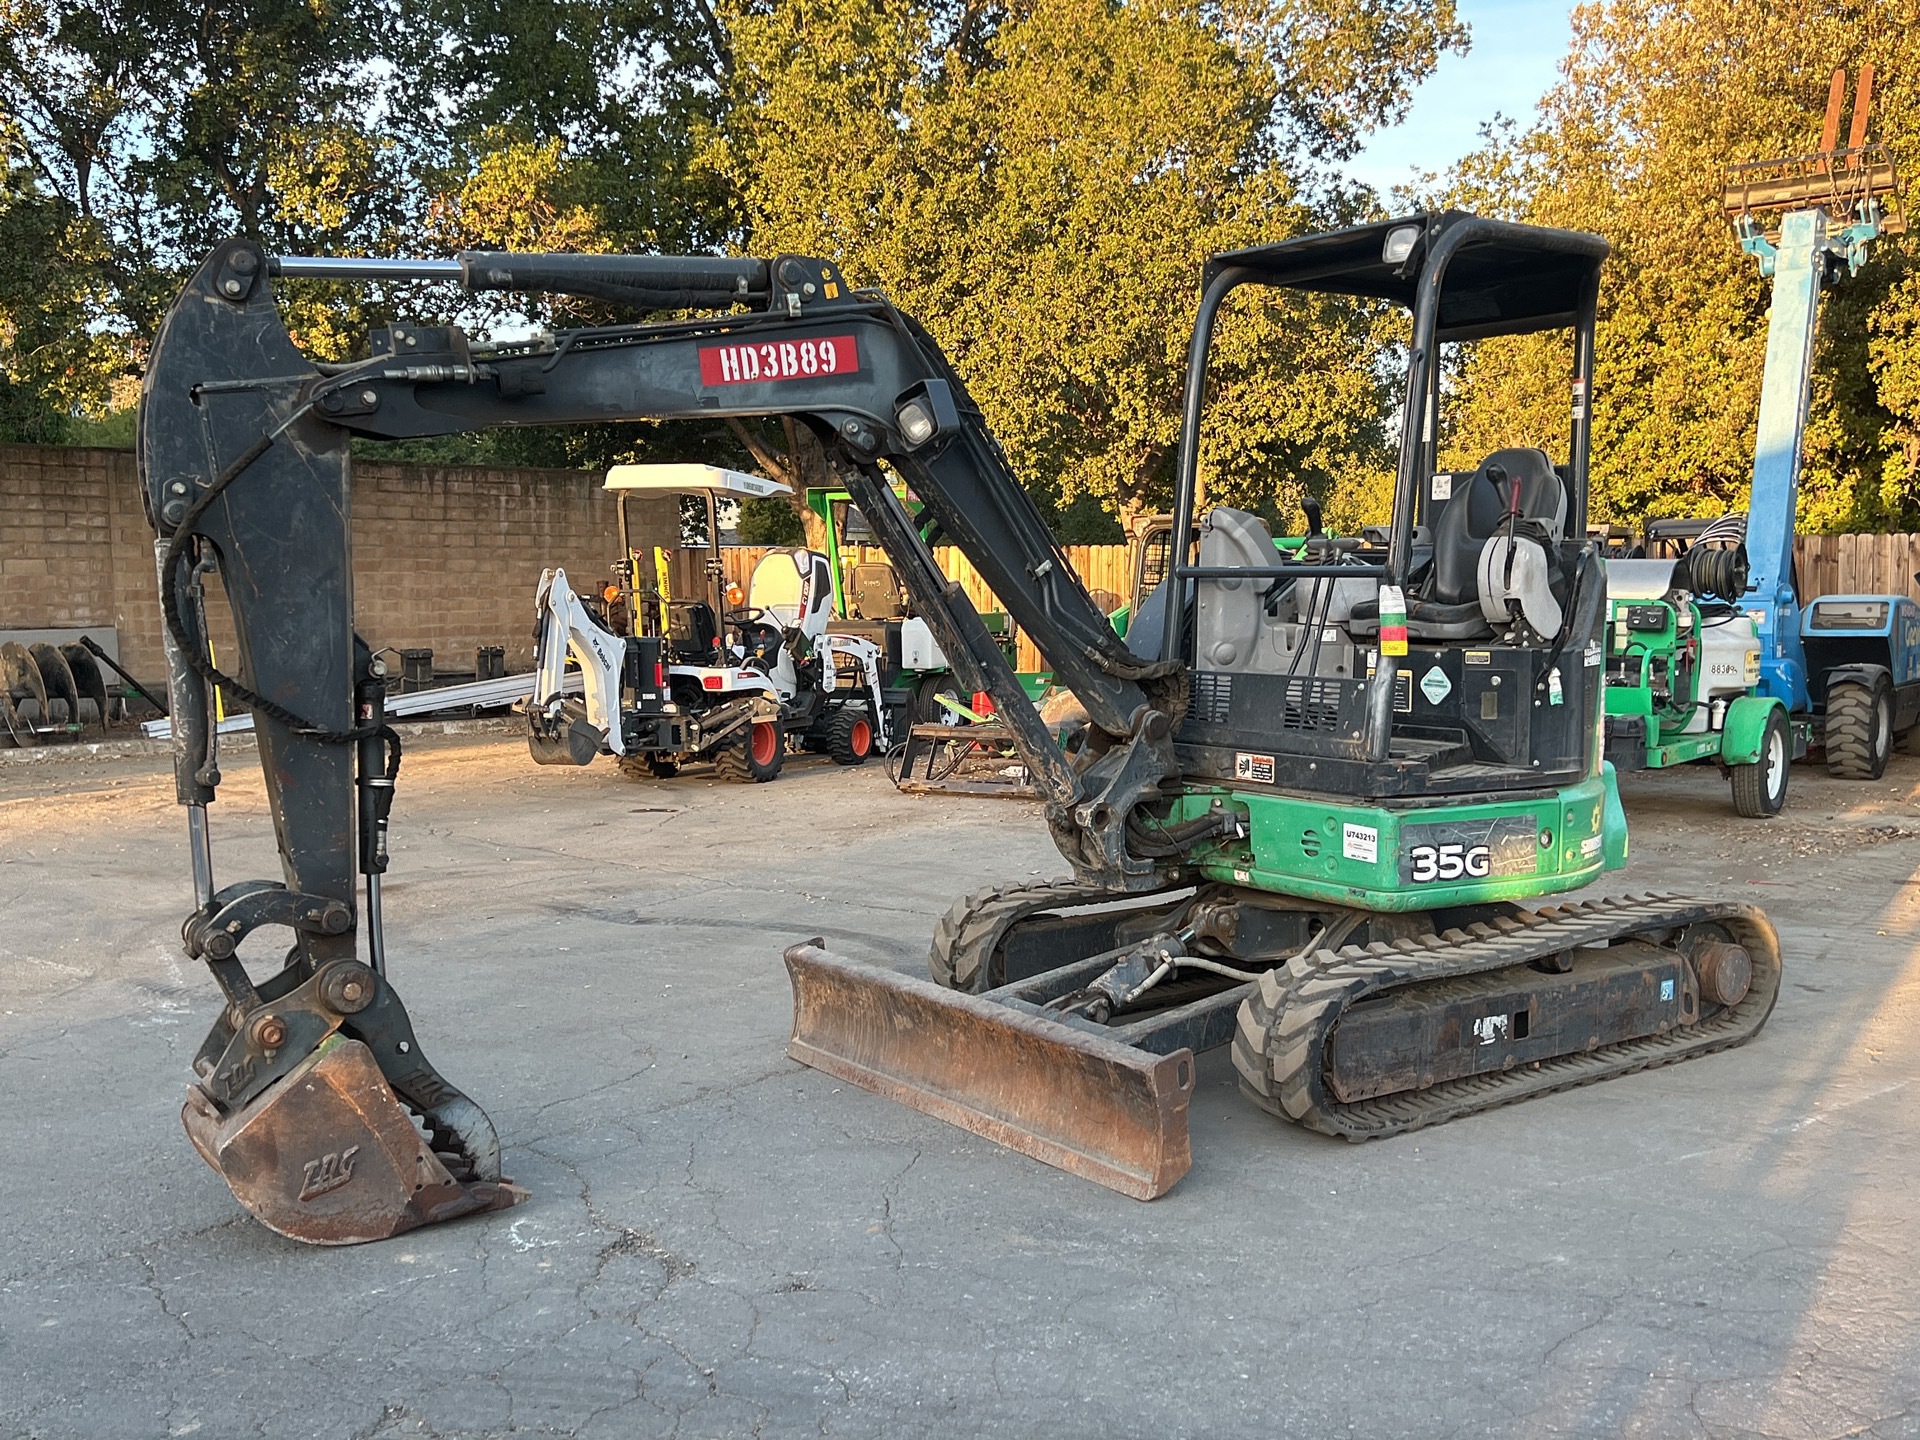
1516,46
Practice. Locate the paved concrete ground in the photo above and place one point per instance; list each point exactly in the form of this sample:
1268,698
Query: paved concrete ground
721,1243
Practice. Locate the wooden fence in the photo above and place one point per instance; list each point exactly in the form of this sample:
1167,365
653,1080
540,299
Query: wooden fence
1829,565
1858,565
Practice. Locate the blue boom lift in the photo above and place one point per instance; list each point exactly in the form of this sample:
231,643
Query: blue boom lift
1713,655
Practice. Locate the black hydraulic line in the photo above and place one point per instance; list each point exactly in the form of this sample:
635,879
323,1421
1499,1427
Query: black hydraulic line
176,551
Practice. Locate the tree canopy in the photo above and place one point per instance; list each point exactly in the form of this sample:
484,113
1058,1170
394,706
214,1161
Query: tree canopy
1037,181
1656,99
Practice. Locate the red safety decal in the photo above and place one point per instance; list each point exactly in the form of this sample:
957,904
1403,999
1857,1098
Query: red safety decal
778,360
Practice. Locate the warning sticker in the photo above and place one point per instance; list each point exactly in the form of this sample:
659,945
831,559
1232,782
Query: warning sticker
1435,685
1592,655
1443,487
1258,768
1360,842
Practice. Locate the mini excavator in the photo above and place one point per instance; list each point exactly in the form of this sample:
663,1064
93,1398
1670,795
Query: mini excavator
1316,799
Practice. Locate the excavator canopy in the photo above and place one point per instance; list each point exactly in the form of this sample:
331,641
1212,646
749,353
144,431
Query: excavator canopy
1505,280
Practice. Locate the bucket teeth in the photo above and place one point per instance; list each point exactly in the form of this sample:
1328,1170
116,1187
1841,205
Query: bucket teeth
1083,1102
329,1156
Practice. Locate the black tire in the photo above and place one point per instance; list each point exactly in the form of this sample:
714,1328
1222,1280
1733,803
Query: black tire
1859,731
754,756
649,767
850,735
1760,788
925,710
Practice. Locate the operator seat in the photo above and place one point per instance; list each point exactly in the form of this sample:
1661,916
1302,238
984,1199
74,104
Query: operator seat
693,634
873,593
1446,603
1476,511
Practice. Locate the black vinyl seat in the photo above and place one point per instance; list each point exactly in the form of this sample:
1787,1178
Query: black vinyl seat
1446,603
1476,511
873,592
693,634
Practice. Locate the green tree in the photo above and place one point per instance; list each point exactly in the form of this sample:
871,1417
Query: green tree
1657,98
1040,186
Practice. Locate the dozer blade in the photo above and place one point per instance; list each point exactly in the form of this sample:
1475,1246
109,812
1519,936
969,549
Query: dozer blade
329,1156
1085,1103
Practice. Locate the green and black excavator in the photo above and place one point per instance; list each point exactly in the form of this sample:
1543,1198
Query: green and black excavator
1317,801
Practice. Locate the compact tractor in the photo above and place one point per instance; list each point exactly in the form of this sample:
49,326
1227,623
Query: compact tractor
700,679
1710,653
1314,815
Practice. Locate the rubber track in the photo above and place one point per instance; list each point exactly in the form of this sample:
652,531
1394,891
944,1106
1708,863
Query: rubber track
1286,1023
975,926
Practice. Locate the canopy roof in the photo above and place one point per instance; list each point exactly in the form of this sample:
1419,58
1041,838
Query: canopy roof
1504,279
695,478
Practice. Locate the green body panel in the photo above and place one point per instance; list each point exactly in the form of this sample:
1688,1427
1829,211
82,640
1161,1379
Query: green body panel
1683,749
1669,742
1746,723
1318,848
1614,835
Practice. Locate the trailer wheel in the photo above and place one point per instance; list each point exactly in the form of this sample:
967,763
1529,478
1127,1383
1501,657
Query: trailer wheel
924,709
850,735
754,757
1859,729
1760,787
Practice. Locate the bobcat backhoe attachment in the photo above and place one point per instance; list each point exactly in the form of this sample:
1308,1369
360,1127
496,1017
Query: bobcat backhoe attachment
1313,798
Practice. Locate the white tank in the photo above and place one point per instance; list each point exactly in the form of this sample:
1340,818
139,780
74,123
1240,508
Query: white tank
1729,663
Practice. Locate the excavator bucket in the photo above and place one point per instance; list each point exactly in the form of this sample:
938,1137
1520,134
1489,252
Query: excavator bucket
1090,1105
328,1155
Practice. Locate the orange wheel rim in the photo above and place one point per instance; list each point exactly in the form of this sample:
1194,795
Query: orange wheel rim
766,741
862,737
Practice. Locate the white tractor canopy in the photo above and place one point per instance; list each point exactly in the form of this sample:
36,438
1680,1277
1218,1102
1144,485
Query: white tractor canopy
695,479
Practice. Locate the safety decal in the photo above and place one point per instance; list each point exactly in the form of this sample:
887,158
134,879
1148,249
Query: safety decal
1253,767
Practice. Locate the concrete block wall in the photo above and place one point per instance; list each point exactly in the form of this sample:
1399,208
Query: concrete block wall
445,556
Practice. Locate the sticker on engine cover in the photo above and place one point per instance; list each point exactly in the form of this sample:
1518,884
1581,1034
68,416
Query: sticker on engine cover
1360,842
1464,850
1258,768
1435,685
779,360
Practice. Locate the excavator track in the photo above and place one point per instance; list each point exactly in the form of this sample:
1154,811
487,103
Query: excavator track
1287,1026
967,941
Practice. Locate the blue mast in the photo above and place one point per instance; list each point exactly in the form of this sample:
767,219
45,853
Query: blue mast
1809,252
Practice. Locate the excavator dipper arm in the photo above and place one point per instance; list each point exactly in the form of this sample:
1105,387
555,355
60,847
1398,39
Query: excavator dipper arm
313,1099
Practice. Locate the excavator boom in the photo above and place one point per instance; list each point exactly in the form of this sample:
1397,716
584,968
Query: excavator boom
328,1126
